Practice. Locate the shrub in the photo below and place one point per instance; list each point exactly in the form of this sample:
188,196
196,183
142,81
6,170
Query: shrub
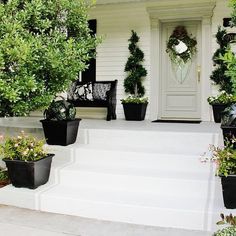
60,110
136,72
43,46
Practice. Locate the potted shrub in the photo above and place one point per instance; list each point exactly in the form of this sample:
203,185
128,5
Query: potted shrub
230,230
228,123
4,179
220,78
60,125
27,162
219,103
44,45
225,159
135,105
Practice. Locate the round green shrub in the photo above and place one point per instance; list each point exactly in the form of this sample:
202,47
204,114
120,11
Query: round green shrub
44,44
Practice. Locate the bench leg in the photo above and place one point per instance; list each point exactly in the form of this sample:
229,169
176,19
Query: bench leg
114,112
109,113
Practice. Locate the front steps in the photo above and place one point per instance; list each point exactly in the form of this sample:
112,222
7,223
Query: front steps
148,177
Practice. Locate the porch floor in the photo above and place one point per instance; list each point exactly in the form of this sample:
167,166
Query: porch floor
17,221
34,123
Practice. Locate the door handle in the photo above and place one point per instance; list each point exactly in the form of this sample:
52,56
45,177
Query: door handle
199,74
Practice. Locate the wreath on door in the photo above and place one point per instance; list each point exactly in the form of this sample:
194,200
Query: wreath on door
181,47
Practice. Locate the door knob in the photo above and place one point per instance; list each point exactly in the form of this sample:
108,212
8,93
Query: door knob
199,74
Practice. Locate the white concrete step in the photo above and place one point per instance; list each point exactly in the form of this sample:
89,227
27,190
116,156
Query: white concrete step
128,180
162,142
136,176
127,206
114,157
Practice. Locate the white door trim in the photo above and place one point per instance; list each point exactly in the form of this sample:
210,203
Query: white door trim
191,11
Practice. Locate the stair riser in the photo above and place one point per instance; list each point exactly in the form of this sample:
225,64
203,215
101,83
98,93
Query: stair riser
161,217
140,160
163,142
134,183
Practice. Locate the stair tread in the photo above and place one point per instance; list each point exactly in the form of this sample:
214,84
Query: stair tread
157,149
198,175
84,193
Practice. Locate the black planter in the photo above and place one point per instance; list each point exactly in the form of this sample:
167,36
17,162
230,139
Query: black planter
217,111
229,132
62,132
29,174
229,191
135,111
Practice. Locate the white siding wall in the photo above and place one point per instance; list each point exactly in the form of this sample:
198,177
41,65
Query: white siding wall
115,22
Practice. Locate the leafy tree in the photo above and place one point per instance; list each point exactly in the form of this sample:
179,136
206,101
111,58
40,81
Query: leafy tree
43,46
136,72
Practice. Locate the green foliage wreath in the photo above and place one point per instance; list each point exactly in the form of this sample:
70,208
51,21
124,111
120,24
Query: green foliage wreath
180,46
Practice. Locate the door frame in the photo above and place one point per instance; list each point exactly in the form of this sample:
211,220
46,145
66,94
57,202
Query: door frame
171,12
164,63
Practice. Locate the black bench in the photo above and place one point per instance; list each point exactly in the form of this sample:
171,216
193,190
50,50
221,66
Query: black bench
95,94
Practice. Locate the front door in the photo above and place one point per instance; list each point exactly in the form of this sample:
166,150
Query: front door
180,96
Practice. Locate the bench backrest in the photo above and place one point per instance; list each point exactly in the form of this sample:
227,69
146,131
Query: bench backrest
91,90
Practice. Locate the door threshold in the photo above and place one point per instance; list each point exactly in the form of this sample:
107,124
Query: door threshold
178,121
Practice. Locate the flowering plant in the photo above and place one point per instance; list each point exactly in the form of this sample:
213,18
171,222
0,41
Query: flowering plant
229,230
221,98
22,147
3,175
134,99
225,158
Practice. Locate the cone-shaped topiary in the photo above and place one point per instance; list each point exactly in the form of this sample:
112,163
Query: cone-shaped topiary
135,71
218,75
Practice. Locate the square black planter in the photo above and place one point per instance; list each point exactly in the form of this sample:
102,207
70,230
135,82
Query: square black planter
217,111
135,111
29,174
63,132
229,132
229,191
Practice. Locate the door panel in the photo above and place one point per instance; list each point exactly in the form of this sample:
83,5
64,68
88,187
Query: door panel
180,99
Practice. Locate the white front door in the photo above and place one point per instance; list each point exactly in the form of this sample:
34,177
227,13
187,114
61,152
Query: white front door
180,96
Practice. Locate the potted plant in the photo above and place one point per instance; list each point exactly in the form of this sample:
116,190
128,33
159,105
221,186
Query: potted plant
60,125
230,230
220,78
4,179
44,45
27,161
225,159
219,103
135,104
228,123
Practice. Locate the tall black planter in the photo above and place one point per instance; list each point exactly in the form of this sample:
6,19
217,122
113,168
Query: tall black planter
229,132
135,111
62,132
217,111
29,174
229,191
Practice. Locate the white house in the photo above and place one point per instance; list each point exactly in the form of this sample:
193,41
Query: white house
154,21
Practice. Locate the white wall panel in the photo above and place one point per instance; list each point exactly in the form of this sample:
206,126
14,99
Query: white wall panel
114,24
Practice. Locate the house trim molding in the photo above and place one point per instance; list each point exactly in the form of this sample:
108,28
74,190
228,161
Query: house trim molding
169,11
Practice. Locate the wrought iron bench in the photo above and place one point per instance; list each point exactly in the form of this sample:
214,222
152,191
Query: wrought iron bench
95,94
